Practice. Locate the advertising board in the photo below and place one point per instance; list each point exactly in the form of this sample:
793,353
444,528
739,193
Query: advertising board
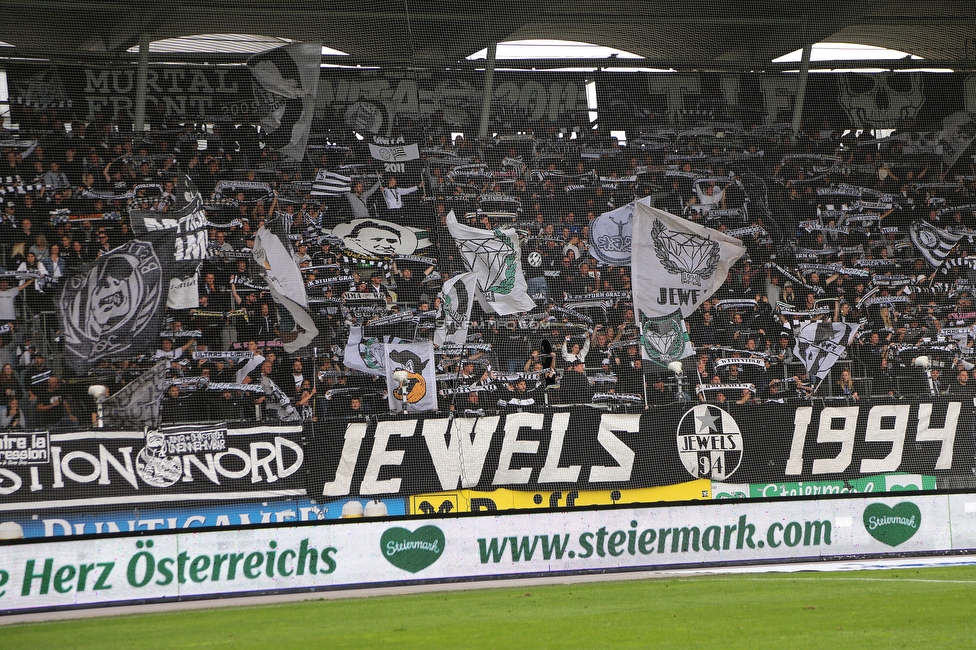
163,566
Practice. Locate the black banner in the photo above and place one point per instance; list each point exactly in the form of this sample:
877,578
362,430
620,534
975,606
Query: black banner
846,100
181,92
587,448
174,464
367,101
372,100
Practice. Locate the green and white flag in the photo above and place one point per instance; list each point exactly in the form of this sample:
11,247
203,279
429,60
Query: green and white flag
366,353
664,339
454,314
676,265
494,256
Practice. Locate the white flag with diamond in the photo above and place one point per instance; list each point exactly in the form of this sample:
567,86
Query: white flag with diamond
676,265
494,256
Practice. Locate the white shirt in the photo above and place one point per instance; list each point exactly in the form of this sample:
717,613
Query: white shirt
394,196
8,310
174,354
709,201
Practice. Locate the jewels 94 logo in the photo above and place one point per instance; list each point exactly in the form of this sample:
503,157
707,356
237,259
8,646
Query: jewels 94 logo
709,442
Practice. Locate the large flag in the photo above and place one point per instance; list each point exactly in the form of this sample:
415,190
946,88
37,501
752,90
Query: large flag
820,343
611,235
328,183
494,256
285,283
137,404
187,224
113,308
933,243
366,353
454,314
289,77
676,265
419,391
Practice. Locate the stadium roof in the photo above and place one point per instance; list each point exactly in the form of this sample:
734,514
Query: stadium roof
687,35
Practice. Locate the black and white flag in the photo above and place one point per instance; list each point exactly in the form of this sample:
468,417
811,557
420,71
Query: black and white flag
137,404
819,344
187,225
287,80
113,307
454,313
277,400
418,392
933,243
280,270
676,265
328,183
957,134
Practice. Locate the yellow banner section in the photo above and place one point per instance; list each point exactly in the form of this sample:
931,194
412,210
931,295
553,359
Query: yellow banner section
501,499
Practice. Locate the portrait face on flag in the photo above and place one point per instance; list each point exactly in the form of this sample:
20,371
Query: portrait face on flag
377,238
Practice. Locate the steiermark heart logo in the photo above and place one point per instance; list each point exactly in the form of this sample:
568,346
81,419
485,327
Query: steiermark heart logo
414,551
892,526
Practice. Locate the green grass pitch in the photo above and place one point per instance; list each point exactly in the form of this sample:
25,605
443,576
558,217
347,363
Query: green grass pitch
864,609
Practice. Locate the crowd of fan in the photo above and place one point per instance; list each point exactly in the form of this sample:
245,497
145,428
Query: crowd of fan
825,218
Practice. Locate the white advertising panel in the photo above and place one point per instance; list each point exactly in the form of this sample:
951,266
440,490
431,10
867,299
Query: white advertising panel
167,566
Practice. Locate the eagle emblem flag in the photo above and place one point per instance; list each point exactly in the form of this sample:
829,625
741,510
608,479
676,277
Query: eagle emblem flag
676,265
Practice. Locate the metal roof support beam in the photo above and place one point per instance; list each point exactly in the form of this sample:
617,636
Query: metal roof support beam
801,90
139,123
489,89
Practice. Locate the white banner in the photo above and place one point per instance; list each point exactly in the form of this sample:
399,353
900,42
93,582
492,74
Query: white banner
419,391
394,153
353,553
183,293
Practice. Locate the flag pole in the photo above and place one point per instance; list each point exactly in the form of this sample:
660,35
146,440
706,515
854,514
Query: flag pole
817,387
644,379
